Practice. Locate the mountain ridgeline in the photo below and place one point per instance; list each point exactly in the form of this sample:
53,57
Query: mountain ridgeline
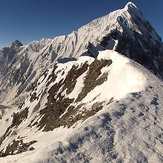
96,90
125,31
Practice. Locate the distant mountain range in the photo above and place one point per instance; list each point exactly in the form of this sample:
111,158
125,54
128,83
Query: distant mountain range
94,95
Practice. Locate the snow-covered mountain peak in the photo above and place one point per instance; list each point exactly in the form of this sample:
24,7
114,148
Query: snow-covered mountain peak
124,30
131,5
84,93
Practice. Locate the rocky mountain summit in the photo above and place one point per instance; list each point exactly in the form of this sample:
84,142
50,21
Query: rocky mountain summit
94,95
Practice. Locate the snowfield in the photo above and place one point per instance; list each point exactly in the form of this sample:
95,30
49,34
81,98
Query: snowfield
127,130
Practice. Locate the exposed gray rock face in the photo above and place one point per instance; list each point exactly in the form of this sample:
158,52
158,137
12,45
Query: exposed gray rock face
16,44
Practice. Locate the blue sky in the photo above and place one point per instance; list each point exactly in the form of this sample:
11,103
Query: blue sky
28,20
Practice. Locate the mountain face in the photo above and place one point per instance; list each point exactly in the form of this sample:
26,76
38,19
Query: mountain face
125,31
75,98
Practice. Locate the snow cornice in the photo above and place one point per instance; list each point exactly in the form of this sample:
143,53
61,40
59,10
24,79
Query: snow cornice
130,5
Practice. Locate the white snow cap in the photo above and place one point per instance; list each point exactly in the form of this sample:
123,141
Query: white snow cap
131,4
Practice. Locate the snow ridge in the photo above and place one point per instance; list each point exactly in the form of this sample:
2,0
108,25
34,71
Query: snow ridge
120,115
125,31
84,95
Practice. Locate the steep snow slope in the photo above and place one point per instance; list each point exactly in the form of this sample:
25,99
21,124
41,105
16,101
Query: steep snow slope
107,109
125,31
